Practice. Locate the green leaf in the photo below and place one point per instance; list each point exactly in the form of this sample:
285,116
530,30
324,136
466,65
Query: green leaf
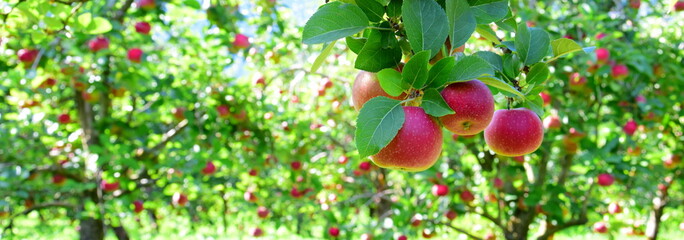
511,65
535,103
532,44
461,21
486,32
390,81
498,83
471,67
488,11
426,25
99,25
324,54
441,72
564,46
374,10
538,74
85,19
374,56
493,59
415,71
383,2
378,123
394,8
192,3
333,21
355,44
434,104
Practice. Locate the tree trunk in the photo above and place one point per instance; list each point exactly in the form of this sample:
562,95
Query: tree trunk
654,221
91,229
120,233
519,226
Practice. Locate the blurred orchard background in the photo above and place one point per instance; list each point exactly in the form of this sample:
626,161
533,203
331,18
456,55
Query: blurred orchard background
202,119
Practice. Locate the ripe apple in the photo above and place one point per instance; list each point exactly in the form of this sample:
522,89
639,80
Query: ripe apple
514,132
333,231
614,208
473,105
27,55
178,113
367,86
428,233
342,159
223,110
602,55
48,83
365,166
619,71
179,199
143,27
98,44
416,146
416,220
630,127
138,206
58,179
250,197
489,236
440,190
109,187
552,122
257,232
600,227
366,236
296,165
327,83
605,179
672,161
402,237
600,36
576,80
64,118
451,215
679,6
241,41
135,55
635,4
262,212
209,169
498,183
467,196
519,159
253,172
146,4
546,98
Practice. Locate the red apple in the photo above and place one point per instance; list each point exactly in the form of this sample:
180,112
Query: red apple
514,132
367,86
473,105
327,83
48,83
489,236
630,127
138,206
109,187
402,237
546,98
146,4
365,166
451,215
209,169
640,99
366,236
98,44
519,159
602,55
342,159
58,179
27,55
679,6
257,232
416,146
600,227
179,199
135,55
600,36
250,197
64,118
296,165
605,179
635,4
223,110
552,122
619,71
253,172
467,196
498,183
440,190
428,233
262,212
614,208
333,231
241,41
576,80
416,220
178,113
143,27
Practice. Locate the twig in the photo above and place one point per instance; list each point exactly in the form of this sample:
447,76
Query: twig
470,235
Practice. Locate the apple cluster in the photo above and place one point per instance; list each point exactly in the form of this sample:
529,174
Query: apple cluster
418,143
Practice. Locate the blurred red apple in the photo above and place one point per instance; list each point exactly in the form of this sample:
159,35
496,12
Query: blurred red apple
27,55
600,227
143,27
241,41
135,55
262,212
98,44
605,179
440,190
